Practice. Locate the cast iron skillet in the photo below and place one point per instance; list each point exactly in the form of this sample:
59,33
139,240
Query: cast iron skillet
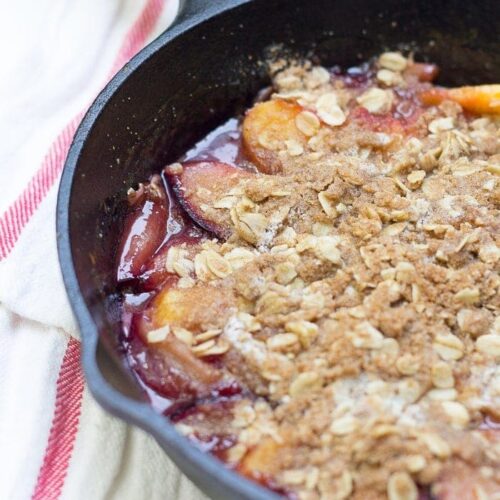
201,71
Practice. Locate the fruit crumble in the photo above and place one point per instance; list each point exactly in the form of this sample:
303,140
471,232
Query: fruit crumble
312,292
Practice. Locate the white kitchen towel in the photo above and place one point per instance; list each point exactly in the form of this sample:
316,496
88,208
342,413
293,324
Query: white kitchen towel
55,441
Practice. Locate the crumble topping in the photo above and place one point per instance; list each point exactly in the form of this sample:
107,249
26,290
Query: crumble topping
357,292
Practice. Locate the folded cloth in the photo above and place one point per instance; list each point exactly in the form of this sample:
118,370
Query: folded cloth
55,441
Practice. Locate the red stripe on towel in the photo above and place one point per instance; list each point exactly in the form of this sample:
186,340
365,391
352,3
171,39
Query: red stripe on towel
69,391
15,218
70,383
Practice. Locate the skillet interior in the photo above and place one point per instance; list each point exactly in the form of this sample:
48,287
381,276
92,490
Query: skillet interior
202,71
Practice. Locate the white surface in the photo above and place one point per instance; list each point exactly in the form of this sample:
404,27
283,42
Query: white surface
55,56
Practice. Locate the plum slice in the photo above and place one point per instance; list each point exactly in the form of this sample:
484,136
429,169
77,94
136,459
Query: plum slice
259,465
171,366
260,458
168,364
198,308
145,229
266,125
477,99
171,369
155,273
198,185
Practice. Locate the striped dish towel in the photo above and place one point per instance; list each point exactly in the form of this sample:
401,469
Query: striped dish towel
55,442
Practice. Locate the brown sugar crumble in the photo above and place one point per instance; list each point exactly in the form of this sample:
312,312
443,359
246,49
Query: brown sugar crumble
346,278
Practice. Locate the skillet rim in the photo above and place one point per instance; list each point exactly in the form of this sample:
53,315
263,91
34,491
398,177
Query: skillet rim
208,473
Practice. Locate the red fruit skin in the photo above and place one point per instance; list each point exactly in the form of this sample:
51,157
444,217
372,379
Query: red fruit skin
169,367
210,175
144,231
422,72
155,274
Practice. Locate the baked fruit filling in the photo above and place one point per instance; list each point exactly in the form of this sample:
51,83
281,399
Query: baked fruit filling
312,292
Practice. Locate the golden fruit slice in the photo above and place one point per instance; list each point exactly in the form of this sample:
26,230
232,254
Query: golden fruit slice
266,127
259,460
174,367
478,99
179,359
196,309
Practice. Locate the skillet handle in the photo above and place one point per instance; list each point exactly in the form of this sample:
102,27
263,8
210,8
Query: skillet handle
194,11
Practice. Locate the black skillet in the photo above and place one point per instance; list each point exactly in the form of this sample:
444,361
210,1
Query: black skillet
201,71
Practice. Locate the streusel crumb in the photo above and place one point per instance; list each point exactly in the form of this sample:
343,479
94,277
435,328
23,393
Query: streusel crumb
355,291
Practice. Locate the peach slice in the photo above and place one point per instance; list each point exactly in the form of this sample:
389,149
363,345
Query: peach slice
260,459
478,99
200,184
266,125
145,229
180,359
201,307
172,366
